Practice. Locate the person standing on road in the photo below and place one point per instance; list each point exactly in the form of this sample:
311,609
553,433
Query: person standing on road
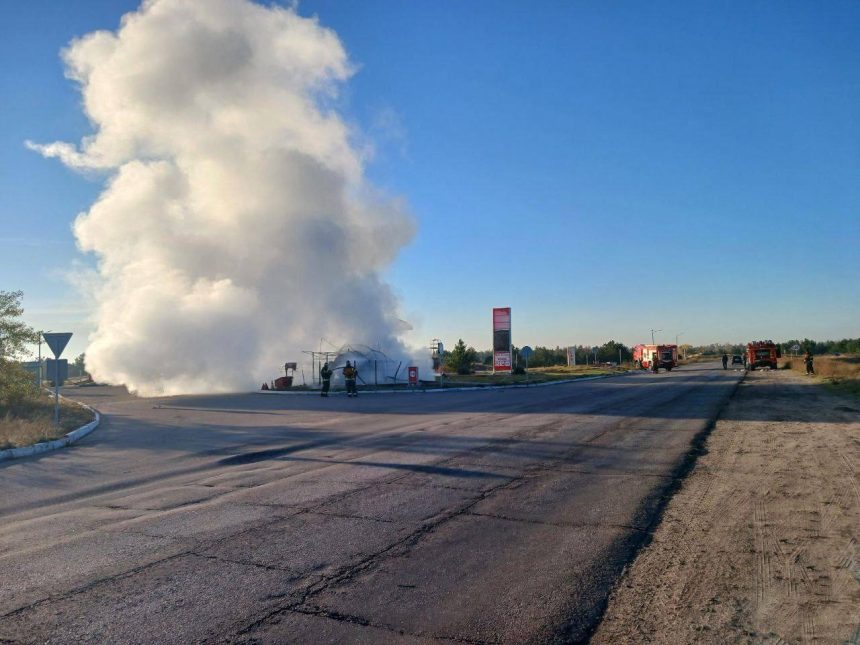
725,360
325,377
655,363
807,359
350,373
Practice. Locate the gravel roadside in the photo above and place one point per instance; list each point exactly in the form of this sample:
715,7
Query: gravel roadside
761,543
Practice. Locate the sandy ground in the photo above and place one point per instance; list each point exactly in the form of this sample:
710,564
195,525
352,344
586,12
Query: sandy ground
761,543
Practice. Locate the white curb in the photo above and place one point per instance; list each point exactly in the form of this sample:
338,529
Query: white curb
46,446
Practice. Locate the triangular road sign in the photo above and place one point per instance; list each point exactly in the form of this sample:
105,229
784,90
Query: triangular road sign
57,342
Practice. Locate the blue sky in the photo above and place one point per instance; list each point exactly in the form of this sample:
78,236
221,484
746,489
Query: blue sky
603,169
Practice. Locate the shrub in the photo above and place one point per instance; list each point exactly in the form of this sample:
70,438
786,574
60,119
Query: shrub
17,389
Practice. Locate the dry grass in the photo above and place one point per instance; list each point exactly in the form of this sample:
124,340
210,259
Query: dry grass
535,375
38,425
699,358
842,373
579,370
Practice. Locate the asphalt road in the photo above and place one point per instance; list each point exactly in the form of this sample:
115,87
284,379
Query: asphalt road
487,516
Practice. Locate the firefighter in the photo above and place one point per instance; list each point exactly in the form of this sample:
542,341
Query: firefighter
655,363
725,361
349,374
325,377
807,359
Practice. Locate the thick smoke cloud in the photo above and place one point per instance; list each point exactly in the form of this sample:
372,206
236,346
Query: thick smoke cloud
237,227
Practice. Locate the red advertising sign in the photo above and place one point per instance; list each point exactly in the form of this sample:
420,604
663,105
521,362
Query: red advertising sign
502,360
413,376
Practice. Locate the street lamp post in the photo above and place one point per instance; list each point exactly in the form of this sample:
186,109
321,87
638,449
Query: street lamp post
677,336
652,335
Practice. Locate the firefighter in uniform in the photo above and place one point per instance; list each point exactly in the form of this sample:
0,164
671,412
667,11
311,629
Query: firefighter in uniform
349,374
325,377
807,359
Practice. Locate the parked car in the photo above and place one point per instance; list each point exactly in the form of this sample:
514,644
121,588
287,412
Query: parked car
737,360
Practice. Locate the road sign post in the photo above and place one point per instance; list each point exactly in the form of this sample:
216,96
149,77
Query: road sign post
57,342
525,352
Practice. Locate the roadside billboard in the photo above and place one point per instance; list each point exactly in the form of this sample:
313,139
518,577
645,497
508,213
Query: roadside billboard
502,358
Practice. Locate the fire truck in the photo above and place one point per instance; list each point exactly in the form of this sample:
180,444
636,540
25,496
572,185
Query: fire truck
763,353
665,355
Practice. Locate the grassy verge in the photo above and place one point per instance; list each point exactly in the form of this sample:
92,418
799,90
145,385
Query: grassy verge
33,423
535,375
840,373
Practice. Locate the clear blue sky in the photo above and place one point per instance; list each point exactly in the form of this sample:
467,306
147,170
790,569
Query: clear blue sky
602,168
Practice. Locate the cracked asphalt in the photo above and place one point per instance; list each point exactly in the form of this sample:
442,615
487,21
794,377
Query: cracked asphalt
477,517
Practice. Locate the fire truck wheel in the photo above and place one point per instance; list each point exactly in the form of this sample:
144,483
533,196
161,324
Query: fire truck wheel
669,369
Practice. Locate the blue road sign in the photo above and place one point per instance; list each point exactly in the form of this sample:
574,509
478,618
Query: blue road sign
57,342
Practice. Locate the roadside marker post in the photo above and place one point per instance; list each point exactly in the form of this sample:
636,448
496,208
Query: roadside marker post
57,342
525,352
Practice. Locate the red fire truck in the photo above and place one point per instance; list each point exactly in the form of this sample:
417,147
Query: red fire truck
665,355
763,353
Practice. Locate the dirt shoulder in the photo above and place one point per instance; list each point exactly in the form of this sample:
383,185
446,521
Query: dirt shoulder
761,543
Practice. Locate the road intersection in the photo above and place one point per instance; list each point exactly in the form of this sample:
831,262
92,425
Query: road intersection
486,516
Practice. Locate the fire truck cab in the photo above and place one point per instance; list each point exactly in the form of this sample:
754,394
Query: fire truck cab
666,356
763,353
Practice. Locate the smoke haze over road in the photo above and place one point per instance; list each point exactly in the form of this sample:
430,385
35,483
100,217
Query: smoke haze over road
236,227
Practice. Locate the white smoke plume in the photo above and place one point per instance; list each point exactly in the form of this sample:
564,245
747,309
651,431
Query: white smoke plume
237,227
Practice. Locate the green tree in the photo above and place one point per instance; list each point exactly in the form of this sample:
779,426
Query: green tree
546,357
80,365
16,384
14,334
460,358
610,352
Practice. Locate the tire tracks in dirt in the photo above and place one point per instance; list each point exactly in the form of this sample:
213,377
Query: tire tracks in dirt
761,542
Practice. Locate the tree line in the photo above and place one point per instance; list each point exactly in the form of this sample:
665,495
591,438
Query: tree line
462,359
15,336
844,346
18,386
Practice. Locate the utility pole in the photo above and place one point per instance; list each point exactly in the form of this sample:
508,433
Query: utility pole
40,357
677,336
652,335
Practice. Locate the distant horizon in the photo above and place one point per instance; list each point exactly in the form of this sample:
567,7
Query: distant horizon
488,349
